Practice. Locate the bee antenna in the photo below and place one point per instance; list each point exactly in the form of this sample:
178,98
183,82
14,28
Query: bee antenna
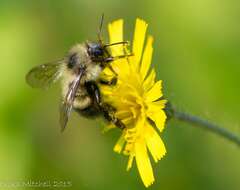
117,43
100,28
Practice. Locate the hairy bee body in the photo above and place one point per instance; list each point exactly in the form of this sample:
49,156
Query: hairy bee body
80,73
78,55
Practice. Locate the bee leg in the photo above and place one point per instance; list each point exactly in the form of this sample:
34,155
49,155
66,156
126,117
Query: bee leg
111,68
107,110
110,59
108,113
94,92
112,82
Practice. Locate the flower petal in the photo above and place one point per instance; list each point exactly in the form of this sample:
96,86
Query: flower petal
155,92
120,143
156,106
149,81
138,41
147,58
120,66
154,143
108,128
159,118
130,161
115,30
143,162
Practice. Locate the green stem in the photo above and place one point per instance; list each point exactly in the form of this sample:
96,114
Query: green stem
202,123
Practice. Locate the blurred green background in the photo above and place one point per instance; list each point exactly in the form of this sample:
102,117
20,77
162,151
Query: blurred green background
196,53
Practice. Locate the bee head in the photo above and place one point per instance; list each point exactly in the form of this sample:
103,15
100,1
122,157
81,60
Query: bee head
95,50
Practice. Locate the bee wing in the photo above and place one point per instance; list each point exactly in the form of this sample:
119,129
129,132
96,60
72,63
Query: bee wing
67,103
42,76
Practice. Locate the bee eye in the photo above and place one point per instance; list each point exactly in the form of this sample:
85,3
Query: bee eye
97,52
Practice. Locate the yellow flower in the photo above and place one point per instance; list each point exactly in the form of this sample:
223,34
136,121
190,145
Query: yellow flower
138,100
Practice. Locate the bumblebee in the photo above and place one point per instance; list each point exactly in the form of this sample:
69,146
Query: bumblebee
79,72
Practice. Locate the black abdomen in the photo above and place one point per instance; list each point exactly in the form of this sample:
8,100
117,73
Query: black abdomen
89,112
